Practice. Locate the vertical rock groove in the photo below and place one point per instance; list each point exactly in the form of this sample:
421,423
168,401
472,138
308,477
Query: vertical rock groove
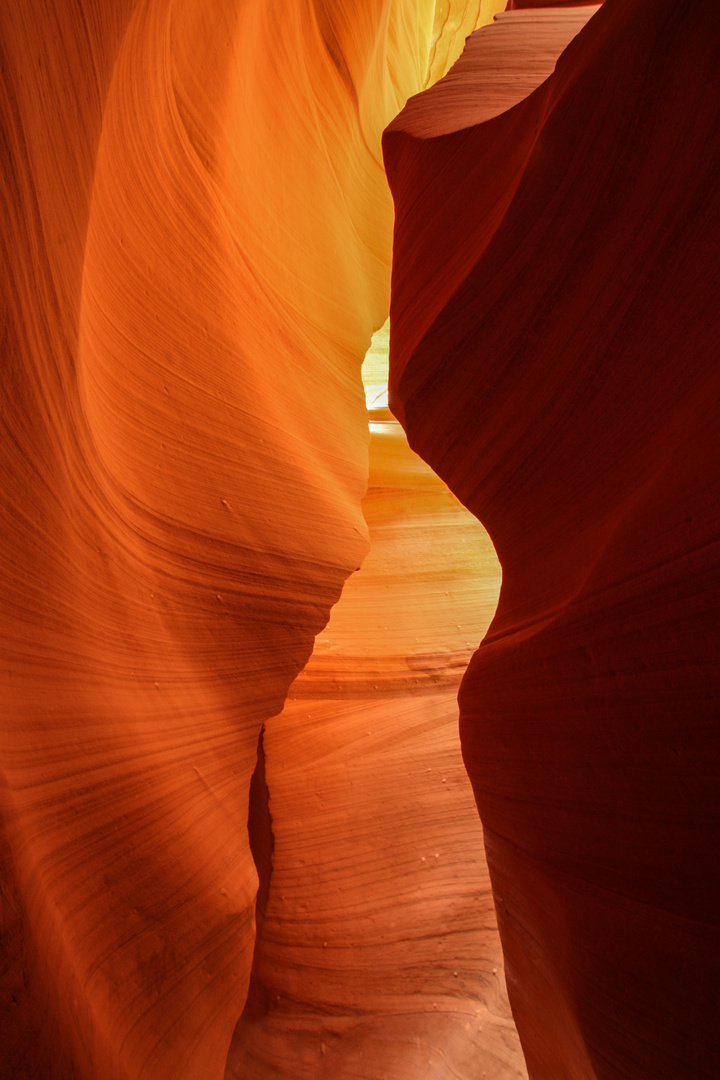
260,832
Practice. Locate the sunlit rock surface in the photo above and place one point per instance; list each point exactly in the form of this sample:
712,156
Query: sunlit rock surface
554,357
501,64
378,953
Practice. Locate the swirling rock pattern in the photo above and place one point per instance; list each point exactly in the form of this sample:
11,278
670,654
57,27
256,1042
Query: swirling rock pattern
554,357
196,249
183,329
378,953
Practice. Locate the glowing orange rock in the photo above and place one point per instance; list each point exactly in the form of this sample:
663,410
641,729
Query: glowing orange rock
196,232
556,364
378,952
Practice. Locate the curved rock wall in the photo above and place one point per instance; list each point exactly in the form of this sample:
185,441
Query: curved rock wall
378,953
196,247
556,363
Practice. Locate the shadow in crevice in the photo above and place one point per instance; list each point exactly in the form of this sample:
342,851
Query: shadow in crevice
261,845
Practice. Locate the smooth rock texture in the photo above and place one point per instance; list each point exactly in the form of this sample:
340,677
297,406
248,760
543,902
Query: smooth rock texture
196,233
178,338
554,357
378,954
499,66
519,5
196,243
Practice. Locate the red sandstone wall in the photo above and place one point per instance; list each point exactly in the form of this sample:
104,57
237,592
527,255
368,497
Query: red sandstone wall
556,363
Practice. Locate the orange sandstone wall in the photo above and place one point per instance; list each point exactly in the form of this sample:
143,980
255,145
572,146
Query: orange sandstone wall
554,357
378,954
196,243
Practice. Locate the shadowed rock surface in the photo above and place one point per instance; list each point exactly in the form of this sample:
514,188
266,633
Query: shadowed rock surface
557,366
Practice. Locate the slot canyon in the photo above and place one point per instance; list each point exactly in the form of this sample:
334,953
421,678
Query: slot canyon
360,577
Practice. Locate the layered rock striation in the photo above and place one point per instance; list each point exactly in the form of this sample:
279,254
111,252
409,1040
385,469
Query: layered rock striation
378,952
196,243
554,358
196,233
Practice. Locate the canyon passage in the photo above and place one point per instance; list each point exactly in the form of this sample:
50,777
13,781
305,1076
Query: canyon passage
241,833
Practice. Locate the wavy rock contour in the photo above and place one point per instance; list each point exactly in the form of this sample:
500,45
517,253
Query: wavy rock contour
378,953
196,249
196,232
556,363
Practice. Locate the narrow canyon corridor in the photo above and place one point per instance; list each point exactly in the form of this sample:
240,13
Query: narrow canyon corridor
378,943
359,721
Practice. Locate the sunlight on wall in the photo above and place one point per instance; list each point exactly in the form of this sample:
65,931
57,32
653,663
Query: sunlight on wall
375,369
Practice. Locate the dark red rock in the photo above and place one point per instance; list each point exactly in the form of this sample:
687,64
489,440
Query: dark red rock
554,357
